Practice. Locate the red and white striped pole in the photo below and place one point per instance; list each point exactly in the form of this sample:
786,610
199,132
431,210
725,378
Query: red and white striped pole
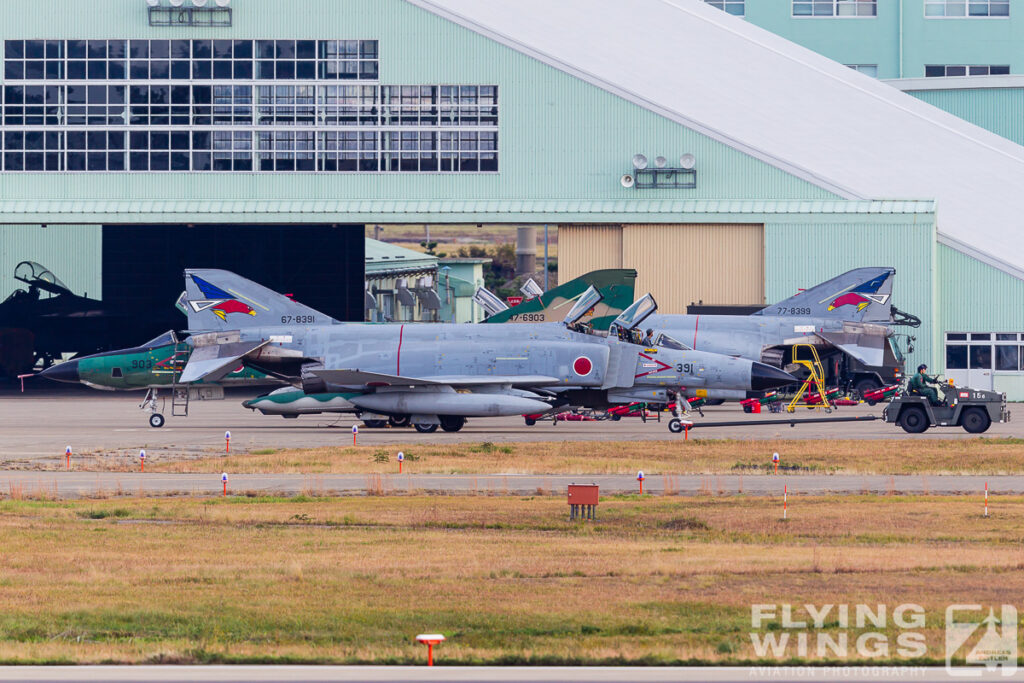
785,497
986,499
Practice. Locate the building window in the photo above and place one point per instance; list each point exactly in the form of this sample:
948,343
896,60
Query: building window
941,70
967,8
1002,352
835,8
220,105
733,7
867,69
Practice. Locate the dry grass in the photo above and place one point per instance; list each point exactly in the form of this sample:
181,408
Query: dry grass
654,580
713,456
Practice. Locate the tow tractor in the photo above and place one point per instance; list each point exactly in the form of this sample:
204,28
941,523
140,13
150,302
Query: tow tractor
972,409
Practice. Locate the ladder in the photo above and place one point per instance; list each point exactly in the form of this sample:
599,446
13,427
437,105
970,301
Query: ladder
179,394
815,379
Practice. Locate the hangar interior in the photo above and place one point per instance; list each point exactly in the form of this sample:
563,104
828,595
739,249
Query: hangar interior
455,111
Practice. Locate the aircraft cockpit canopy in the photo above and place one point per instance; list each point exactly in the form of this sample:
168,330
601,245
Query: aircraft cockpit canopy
36,275
670,343
584,304
639,311
164,339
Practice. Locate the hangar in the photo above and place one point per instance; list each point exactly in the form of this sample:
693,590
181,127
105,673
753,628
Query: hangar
262,136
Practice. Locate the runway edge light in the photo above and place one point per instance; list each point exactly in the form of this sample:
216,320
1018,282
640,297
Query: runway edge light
430,640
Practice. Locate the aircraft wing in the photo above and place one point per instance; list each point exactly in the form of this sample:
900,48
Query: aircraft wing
360,378
213,362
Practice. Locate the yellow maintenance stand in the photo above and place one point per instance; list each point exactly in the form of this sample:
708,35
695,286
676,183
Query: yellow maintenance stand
815,379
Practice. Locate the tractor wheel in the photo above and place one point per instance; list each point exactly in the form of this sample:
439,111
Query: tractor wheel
975,420
400,421
914,420
376,424
675,425
530,421
425,429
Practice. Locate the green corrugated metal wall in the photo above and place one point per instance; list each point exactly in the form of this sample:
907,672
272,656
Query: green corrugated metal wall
1000,110
798,255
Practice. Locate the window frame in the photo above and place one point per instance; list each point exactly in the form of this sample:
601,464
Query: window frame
836,4
967,10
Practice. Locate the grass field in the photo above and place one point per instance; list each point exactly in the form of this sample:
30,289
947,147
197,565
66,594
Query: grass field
712,456
508,580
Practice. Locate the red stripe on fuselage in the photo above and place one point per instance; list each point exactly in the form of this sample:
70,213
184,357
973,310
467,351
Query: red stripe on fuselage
398,356
696,324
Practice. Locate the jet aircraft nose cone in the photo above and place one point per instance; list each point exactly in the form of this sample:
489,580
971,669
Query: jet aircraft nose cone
62,372
764,377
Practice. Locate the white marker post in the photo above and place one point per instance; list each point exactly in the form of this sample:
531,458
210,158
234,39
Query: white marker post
224,479
227,443
355,433
401,459
640,478
430,640
142,460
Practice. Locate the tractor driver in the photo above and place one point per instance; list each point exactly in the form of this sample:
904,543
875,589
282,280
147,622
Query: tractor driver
919,385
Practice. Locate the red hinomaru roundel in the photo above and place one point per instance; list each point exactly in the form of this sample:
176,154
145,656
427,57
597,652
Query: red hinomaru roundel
582,366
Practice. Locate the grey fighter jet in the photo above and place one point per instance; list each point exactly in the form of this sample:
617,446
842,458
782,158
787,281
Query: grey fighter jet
849,319
441,374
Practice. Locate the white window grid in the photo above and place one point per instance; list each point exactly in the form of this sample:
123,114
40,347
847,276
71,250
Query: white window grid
971,9
734,7
188,59
954,70
233,109
1003,351
835,8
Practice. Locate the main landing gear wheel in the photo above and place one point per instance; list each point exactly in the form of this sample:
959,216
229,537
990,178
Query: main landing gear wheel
975,420
675,425
863,386
913,420
400,421
452,423
425,429
156,420
376,424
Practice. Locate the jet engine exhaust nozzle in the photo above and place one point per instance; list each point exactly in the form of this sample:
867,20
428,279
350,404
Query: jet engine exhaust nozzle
764,377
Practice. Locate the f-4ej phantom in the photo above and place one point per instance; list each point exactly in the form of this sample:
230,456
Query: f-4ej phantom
440,374
850,319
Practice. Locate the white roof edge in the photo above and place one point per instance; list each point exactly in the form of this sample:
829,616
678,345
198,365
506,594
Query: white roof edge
986,258
956,83
790,168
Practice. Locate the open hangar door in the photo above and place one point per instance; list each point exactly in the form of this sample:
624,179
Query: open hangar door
679,263
319,265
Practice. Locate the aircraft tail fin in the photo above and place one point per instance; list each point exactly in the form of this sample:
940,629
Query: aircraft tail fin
222,300
616,286
861,295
